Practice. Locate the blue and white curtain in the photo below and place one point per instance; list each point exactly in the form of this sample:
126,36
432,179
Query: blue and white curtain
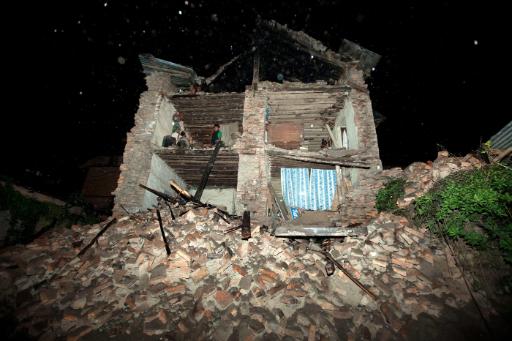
313,191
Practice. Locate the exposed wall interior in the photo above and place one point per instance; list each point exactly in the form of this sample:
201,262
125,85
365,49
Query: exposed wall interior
159,177
311,106
201,112
190,164
164,121
350,125
221,197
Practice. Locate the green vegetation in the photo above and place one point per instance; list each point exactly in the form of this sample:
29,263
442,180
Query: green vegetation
473,205
389,194
26,214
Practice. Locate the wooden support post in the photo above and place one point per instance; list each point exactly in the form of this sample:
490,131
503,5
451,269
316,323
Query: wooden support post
206,173
256,70
167,248
246,225
340,183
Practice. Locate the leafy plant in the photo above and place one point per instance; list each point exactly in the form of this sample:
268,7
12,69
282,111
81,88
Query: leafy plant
473,205
389,194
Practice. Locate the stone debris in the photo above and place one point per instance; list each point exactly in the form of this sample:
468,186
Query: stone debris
216,286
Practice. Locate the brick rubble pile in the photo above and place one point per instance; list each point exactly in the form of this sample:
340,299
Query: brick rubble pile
216,286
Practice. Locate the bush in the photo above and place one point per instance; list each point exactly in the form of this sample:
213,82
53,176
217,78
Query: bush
473,205
389,194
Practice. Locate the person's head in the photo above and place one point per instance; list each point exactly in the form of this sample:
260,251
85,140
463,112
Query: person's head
216,126
183,134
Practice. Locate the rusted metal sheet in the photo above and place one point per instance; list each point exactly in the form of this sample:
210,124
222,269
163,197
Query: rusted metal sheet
181,76
287,135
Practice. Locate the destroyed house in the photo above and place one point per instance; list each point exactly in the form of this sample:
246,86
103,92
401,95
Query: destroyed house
298,134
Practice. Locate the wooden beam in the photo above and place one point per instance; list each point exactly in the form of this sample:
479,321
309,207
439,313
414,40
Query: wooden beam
280,205
206,173
167,248
221,69
182,192
246,225
340,182
290,231
353,164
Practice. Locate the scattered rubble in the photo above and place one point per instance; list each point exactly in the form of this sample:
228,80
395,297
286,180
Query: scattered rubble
214,285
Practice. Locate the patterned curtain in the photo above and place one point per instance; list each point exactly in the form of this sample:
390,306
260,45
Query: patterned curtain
313,191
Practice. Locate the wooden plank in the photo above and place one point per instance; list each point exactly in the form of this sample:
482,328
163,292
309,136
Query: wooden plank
206,173
289,231
246,225
279,202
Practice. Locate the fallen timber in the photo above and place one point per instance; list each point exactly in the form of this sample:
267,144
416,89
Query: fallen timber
107,225
330,258
245,226
292,231
339,157
329,162
186,196
167,248
206,172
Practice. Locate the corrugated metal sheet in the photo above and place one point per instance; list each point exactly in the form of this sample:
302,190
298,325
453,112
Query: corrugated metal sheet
311,191
181,76
503,139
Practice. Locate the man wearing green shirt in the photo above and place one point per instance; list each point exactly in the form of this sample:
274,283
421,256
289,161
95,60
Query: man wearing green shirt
216,134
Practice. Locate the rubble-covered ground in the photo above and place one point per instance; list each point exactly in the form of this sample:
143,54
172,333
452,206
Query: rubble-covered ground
214,285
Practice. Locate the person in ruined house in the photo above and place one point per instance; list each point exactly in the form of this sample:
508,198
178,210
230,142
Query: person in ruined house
195,88
183,141
177,124
168,141
324,144
216,134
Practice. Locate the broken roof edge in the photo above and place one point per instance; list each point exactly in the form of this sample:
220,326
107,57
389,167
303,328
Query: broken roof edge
181,76
349,52
299,86
367,59
304,42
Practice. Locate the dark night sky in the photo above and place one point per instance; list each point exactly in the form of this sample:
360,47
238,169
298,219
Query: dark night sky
436,82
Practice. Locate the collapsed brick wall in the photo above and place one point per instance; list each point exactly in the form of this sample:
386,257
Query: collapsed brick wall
367,143
360,98
136,165
253,170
